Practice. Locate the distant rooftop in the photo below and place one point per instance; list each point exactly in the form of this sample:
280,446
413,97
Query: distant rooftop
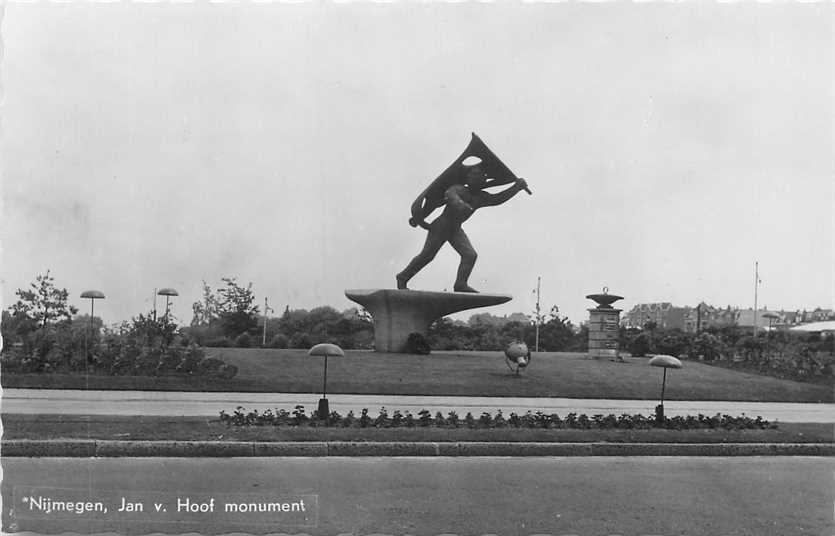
827,325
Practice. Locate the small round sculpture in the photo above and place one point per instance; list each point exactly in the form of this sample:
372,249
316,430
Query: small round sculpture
517,356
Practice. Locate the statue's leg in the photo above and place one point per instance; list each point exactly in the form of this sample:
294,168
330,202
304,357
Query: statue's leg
435,238
461,243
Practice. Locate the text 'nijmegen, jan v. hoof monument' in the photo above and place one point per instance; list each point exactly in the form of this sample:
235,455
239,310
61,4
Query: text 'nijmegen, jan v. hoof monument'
461,190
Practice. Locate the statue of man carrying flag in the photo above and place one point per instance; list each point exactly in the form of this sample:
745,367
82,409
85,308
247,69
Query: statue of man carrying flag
461,190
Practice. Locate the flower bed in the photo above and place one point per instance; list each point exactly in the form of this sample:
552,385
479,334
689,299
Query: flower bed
424,418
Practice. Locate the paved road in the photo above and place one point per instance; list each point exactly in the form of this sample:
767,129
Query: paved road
210,404
422,496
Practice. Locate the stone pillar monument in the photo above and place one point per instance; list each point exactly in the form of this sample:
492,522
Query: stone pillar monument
604,322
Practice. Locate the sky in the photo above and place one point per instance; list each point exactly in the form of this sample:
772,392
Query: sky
668,147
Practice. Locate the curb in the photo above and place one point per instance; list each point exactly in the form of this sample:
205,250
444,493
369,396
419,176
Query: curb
224,449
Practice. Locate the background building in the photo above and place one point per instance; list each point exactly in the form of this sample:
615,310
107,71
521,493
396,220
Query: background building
692,319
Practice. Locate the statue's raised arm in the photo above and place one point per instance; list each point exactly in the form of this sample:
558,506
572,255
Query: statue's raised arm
432,197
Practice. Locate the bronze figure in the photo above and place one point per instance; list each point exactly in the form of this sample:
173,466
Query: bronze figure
461,189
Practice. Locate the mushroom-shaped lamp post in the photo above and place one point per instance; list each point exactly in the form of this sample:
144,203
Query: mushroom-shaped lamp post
326,350
167,292
665,361
92,295
771,318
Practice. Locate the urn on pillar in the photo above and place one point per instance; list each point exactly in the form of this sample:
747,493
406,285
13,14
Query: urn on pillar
604,321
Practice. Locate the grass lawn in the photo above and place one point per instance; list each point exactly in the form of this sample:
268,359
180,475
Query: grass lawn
16,426
458,374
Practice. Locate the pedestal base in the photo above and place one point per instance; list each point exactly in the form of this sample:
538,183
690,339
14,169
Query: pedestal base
604,353
398,313
324,410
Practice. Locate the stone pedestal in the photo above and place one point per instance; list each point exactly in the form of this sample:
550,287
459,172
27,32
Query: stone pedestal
604,321
398,313
603,332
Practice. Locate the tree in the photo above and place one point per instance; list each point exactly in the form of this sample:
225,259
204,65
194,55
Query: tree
238,314
207,310
43,304
485,319
229,310
322,324
444,334
539,317
15,327
557,334
151,330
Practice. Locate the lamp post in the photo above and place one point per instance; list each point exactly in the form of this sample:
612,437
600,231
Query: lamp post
92,295
771,318
665,361
326,350
267,309
538,320
167,292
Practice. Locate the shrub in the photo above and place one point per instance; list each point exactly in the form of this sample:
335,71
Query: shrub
227,371
243,340
169,359
673,343
145,363
220,342
279,340
209,366
300,340
382,420
424,418
514,420
641,345
409,420
417,344
750,348
299,416
191,357
486,420
54,348
349,420
709,347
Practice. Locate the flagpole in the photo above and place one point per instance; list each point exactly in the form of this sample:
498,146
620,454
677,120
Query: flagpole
264,340
756,285
536,344
267,309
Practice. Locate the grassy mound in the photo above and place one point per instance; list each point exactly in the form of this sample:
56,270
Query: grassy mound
458,374
568,375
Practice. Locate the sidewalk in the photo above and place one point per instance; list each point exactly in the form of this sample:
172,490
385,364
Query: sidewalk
170,403
224,449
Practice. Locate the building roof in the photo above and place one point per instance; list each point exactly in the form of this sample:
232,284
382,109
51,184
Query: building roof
827,325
